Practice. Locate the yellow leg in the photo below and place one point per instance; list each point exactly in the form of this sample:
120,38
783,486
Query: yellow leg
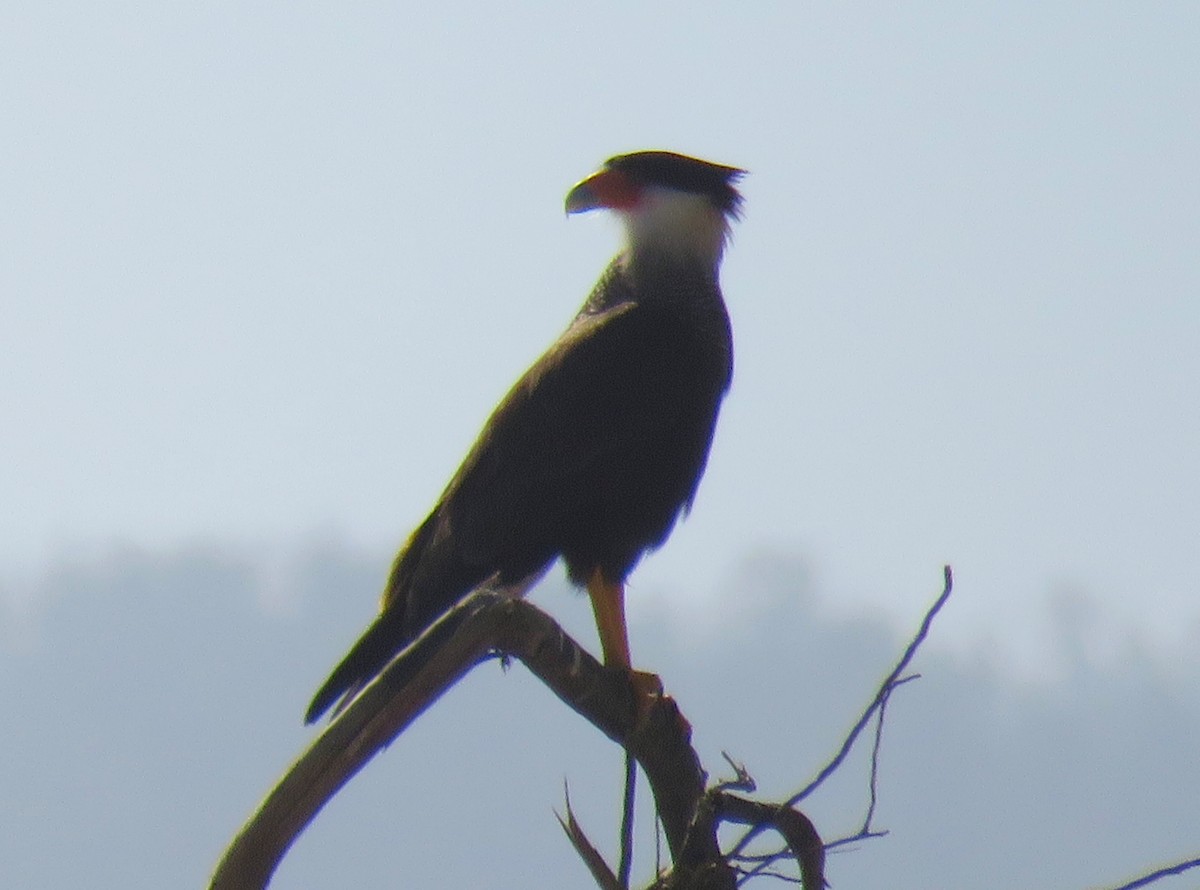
608,604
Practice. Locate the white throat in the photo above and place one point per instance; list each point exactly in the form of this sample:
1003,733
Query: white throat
680,224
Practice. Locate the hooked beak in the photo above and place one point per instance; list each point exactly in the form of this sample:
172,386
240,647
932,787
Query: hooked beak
607,188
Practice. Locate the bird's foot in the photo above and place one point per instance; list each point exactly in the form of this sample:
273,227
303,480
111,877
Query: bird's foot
648,695
647,692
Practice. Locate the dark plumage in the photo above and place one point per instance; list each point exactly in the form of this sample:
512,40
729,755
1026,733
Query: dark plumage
599,447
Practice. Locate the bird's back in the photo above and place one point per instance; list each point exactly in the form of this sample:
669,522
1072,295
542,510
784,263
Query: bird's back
591,455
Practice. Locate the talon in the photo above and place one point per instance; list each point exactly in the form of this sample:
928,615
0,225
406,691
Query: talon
647,692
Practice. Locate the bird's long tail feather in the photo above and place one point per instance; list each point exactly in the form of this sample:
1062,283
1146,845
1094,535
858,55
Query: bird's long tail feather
374,649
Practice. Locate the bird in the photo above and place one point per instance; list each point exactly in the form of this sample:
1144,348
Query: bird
599,447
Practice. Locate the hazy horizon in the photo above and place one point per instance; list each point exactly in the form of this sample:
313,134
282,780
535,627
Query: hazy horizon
167,689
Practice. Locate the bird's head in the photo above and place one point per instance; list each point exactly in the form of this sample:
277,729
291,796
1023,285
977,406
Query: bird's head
668,202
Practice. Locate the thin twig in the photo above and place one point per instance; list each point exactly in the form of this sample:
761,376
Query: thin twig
861,835
790,879
885,689
890,682
1165,872
873,784
591,857
741,781
626,865
658,841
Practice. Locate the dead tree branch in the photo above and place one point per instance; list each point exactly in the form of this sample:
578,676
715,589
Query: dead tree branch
486,623
482,623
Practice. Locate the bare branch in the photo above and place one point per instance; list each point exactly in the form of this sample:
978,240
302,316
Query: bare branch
626,865
481,623
591,857
873,783
885,690
1166,872
796,828
659,740
741,781
779,876
423,671
874,710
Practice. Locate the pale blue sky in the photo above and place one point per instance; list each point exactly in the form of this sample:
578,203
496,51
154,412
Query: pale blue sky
265,268
265,271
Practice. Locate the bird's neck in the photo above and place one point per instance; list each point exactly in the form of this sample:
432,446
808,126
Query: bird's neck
667,276
653,279
669,228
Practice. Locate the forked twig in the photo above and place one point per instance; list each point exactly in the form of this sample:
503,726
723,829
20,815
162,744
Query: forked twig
875,710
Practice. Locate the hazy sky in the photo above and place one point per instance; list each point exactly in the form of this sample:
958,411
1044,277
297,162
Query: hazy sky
264,271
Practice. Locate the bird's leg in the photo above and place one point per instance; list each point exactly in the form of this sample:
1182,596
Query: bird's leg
608,604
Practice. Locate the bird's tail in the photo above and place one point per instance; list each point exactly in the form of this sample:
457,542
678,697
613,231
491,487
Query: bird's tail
391,631
374,649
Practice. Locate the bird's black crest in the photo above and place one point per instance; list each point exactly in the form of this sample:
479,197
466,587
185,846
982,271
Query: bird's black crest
686,174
